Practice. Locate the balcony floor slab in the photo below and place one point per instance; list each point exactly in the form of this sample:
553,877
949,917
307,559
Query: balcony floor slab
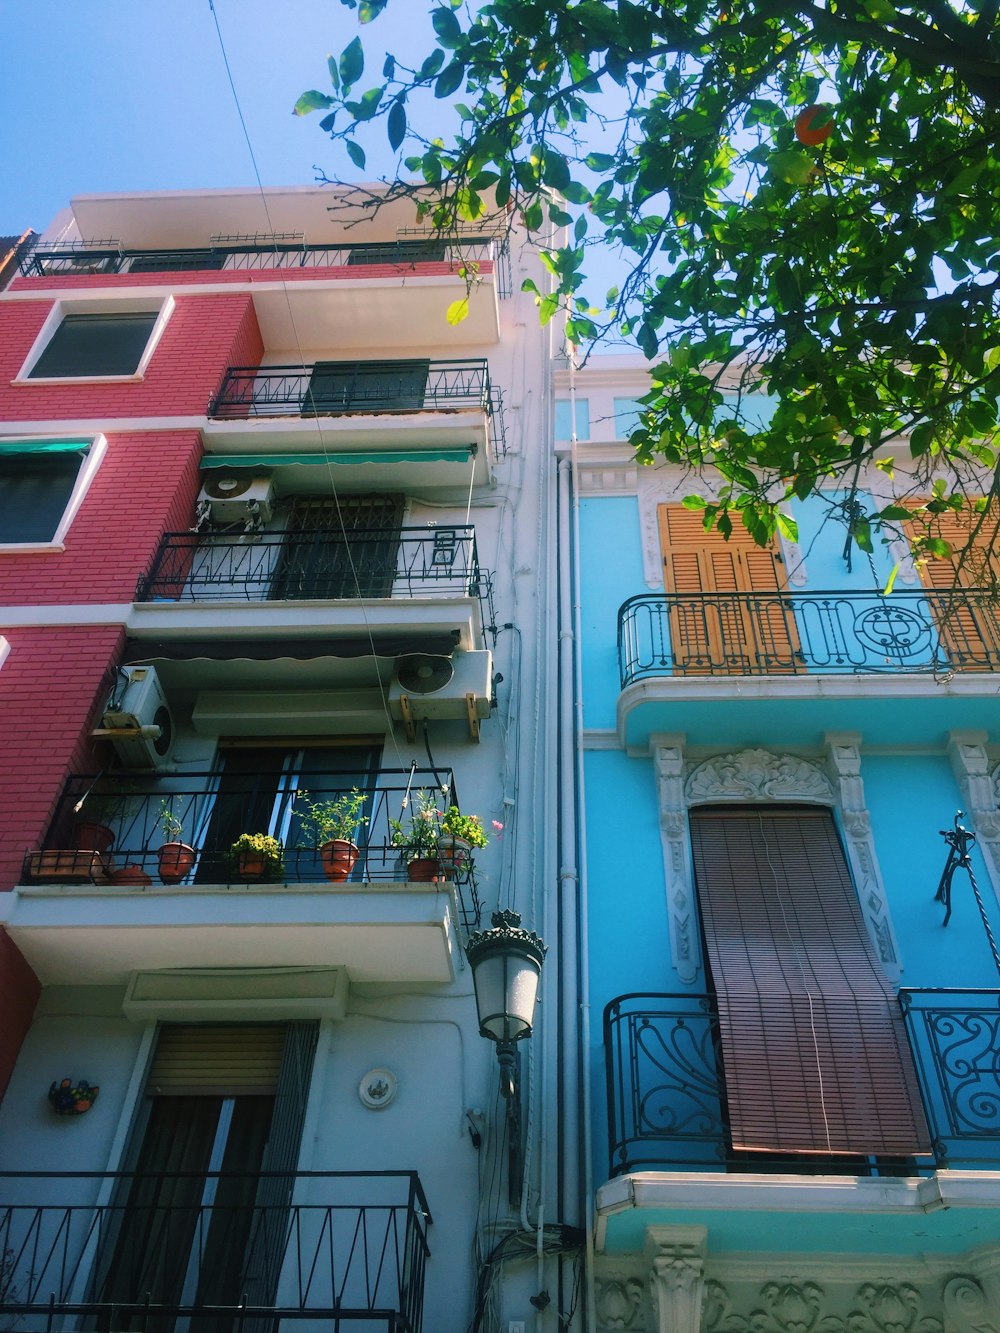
83,935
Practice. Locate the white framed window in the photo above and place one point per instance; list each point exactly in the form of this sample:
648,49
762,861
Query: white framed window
4,649
96,340
42,485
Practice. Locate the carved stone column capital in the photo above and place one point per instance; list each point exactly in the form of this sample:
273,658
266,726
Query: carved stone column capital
668,758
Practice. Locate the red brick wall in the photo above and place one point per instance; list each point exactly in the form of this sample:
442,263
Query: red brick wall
52,686
339,272
203,336
19,991
146,485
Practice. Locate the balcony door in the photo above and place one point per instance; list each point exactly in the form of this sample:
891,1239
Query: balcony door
724,635
366,386
255,792
201,1218
339,547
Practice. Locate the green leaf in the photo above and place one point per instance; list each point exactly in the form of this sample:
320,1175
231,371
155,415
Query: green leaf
431,65
356,153
449,79
792,166
787,526
352,63
599,161
396,124
370,9
311,101
447,27
694,502
891,581
457,311
331,64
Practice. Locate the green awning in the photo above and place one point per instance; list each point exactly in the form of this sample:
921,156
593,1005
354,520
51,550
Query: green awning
461,455
43,446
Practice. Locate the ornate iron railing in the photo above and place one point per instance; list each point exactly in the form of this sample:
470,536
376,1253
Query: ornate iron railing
128,1251
344,388
252,255
955,1039
213,808
666,1085
324,563
827,633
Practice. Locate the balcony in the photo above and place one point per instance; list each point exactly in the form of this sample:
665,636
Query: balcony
666,1104
94,911
681,650
331,295
423,585
345,1248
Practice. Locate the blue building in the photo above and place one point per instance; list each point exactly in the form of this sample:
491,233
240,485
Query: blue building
791,1065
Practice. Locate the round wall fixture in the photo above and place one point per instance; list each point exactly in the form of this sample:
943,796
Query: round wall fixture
377,1088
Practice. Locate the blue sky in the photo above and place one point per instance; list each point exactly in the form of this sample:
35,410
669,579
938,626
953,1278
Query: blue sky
106,95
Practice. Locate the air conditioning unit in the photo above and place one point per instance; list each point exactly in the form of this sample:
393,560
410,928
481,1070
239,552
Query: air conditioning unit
137,719
235,496
425,685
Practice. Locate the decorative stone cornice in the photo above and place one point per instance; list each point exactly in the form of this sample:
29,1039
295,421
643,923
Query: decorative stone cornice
758,775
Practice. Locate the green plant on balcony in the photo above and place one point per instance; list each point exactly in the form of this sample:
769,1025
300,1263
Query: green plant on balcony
436,841
331,826
176,858
257,856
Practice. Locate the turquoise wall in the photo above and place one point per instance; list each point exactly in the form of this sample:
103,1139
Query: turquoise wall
910,799
822,535
610,573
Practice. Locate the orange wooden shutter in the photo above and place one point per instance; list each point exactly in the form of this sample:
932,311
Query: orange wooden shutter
969,628
814,1052
722,635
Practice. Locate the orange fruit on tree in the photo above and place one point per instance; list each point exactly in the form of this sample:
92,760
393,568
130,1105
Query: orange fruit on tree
814,125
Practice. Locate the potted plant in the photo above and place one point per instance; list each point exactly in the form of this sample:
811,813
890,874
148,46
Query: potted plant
258,856
176,858
418,839
91,832
331,826
459,834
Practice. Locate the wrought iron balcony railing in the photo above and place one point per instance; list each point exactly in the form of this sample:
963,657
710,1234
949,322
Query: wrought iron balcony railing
408,563
212,808
350,388
822,633
342,1248
666,1094
250,255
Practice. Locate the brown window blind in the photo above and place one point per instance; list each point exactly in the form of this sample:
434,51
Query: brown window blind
813,1048
216,1059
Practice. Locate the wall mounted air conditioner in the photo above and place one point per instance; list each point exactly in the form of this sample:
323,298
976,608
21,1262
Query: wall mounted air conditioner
235,496
137,719
425,685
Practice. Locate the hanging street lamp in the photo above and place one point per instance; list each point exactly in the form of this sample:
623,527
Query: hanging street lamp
506,963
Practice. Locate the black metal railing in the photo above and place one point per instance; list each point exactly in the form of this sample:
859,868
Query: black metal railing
212,808
666,1086
344,388
135,1251
955,1039
248,255
826,633
324,563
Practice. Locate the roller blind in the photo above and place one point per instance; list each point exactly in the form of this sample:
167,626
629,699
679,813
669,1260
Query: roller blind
216,1060
813,1048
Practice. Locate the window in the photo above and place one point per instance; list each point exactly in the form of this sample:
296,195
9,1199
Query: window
96,339
42,484
95,345
626,417
564,429
814,1055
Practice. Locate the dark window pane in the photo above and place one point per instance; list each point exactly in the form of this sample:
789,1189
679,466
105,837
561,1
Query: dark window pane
95,345
176,261
34,492
398,252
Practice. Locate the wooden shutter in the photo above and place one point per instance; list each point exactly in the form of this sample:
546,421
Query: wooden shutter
722,635
814,1051
216,1060
969,630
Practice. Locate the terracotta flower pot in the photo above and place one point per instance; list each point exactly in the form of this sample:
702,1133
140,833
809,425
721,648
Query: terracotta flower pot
251,865
423,870
338,857
130,875
176,861
90,837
